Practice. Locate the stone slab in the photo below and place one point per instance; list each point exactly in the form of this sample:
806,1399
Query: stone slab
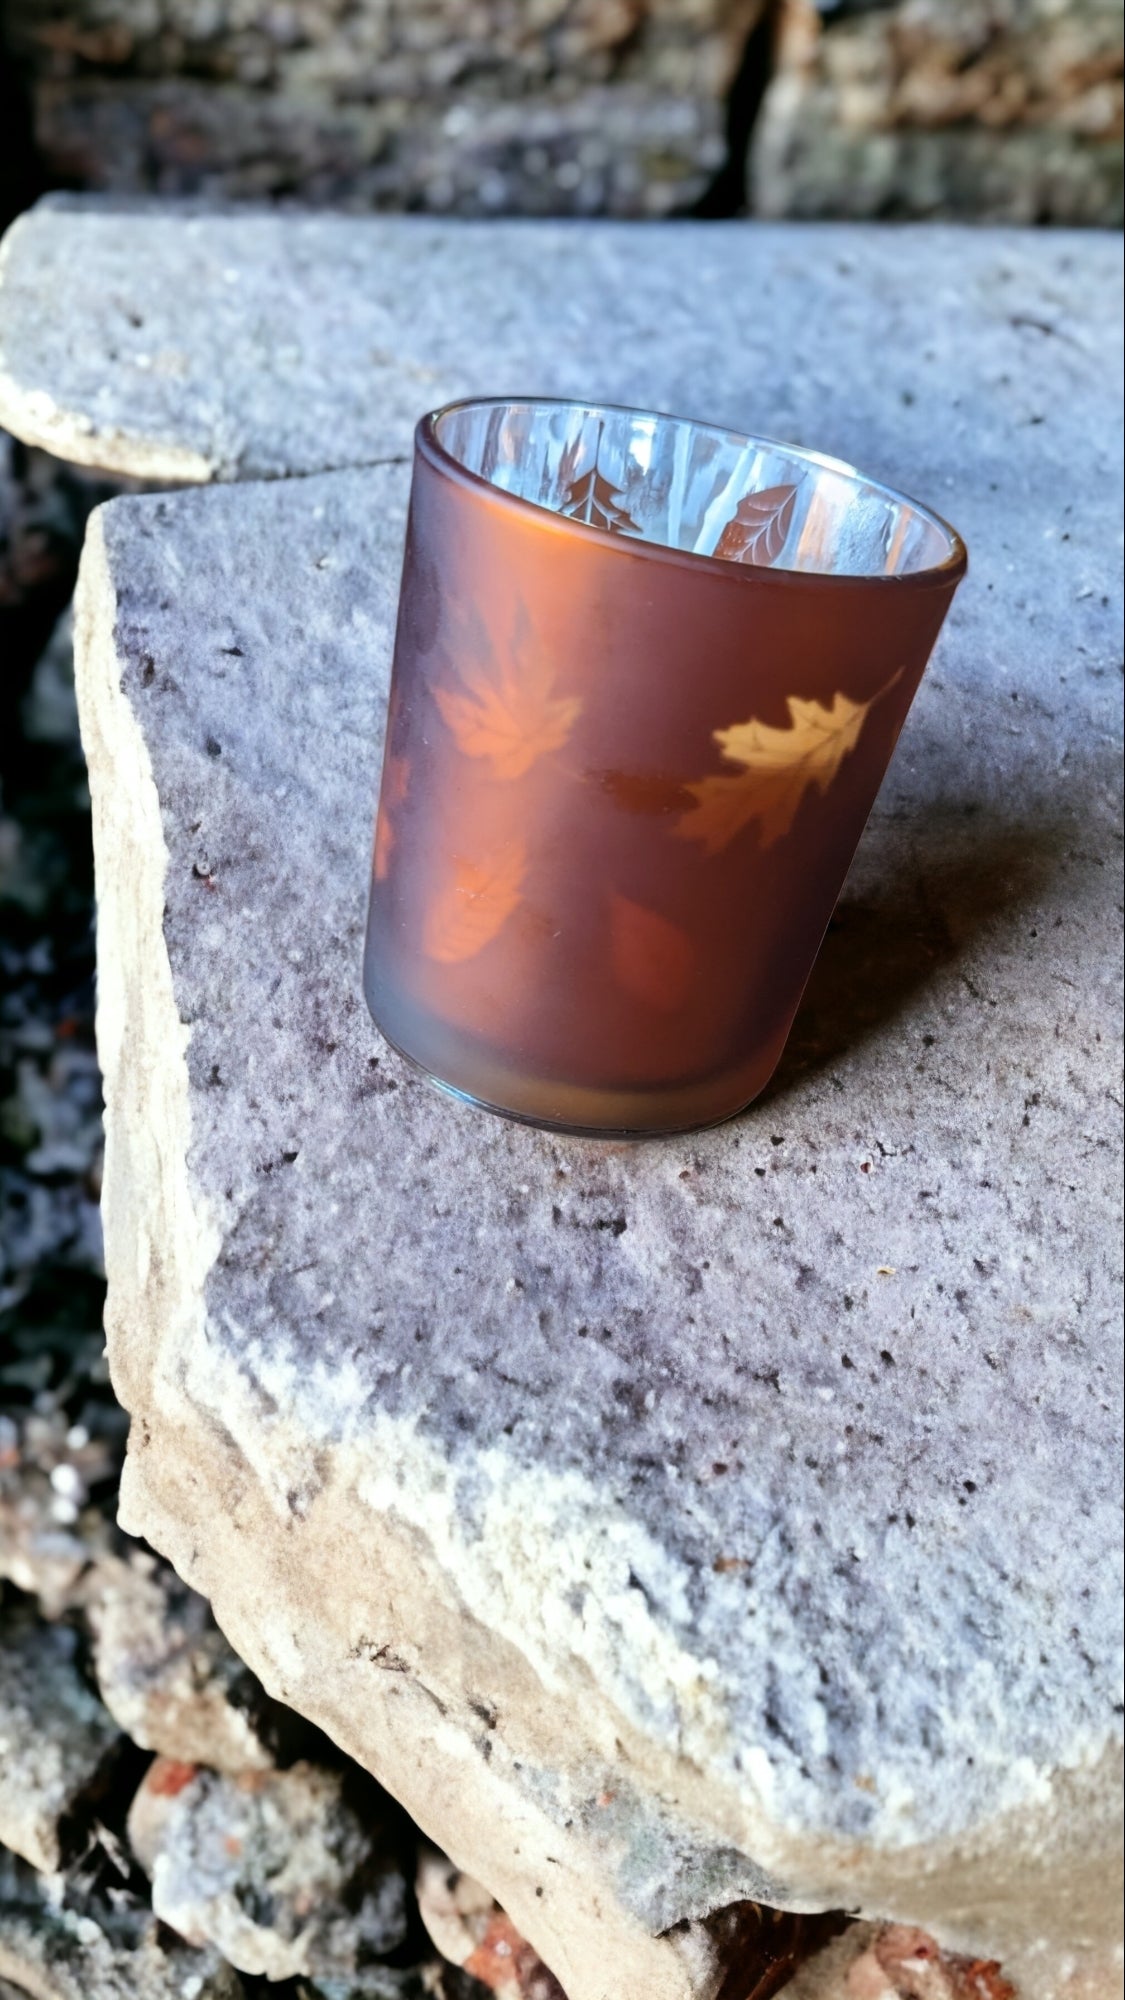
58,1745
181,346
614,106
908,110
720,1517
287,1873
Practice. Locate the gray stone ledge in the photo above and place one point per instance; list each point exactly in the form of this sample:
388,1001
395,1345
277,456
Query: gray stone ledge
765,1544
174,344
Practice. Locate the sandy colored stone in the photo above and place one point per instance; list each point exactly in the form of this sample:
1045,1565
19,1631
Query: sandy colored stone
759,1948
719,1518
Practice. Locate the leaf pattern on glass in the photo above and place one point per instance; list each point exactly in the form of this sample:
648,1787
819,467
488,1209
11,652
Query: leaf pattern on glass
757,529
475,904
592,499
392,792
510,715
651,957
777,768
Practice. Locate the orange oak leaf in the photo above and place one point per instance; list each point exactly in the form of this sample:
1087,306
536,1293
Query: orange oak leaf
475,904
777,768
511,716
651,958
757,529
392,791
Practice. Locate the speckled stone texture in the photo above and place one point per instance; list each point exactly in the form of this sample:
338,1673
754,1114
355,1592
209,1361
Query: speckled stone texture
287,1873
726,1516
252,345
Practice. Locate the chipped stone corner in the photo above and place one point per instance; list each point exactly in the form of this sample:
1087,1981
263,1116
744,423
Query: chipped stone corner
31,413
159,1249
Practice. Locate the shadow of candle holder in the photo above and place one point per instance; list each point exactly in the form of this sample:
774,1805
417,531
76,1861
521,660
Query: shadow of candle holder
904,918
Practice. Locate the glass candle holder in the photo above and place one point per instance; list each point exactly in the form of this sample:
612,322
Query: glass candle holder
648,676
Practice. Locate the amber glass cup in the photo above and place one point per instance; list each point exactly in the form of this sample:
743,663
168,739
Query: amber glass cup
648,676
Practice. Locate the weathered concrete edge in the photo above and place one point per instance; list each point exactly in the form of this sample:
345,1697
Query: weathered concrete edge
33,416
221,1524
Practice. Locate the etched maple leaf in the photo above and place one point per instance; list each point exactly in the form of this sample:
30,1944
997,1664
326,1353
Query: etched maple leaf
757,529
475,903
777,768
510,715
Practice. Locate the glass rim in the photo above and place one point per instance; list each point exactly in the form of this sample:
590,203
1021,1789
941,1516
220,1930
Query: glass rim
428,444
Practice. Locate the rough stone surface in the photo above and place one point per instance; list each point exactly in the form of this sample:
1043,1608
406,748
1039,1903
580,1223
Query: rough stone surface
257,345
280,1870
1011,112
760,1948
470,105
53,1947
57,1742
168,1676
732,1516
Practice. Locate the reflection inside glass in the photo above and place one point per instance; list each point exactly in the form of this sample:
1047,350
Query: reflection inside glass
695,487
